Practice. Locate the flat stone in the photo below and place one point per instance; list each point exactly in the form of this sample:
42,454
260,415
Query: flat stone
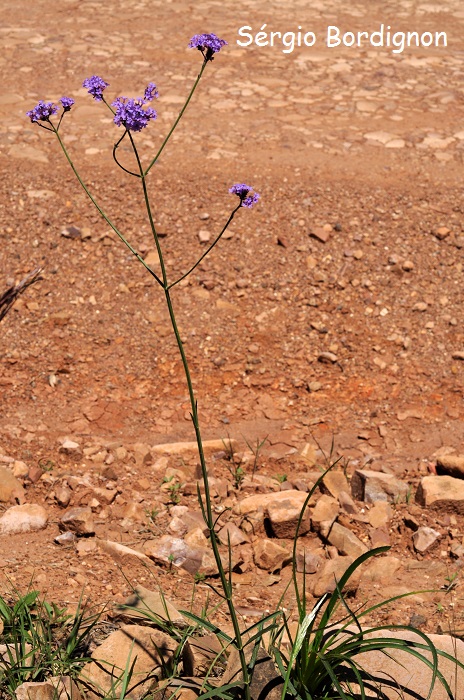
55,688
334,482
379,537
173,551
105,496
284,515
181,448
381,569
347,505
65,538
78,520
26,518
441,493
451,465
370,486
402,675
151,605
26,152
380,514
332,570
11,490
20,469
71,448
285,505
321,234
147,648
63,495
324,514
231,533
382,137
270,556
203,652
120,552
424,539
346,541
308,561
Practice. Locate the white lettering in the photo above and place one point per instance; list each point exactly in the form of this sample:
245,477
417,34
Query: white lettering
438,35
290,45
260,38
333,36
273,34
242,32
312,39
398,40
426,37
349,39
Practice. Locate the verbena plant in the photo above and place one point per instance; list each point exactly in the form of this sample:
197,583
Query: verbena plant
321,661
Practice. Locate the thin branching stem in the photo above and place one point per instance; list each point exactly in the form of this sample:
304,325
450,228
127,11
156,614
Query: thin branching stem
216,240
226,584
115,147
102,213
179,117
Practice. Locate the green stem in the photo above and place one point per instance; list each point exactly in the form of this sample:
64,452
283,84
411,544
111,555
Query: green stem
225,584
102,213
115,148
229,220
179,117
149,212
208,511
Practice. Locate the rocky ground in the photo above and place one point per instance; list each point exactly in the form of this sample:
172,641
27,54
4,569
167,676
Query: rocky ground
327,325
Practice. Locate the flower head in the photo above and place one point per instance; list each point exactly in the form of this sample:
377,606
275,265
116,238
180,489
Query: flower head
208,44
95,86
131,113
42,111
150,92
67,103
247,197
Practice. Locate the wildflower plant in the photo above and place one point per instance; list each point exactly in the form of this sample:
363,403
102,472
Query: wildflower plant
134,115
315,665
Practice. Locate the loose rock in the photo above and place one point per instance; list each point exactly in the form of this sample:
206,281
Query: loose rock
26,518
441,493
11,490
78,520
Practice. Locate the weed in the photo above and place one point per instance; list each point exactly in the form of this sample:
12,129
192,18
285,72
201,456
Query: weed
46,464
234,464
41,640
256,449
174,489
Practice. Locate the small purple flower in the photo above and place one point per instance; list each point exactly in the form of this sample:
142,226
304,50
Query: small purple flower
208,44
42,111
150,92
67,103
131,114
247,197
95,86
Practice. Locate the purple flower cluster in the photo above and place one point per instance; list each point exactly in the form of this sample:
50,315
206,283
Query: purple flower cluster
67,103
95,86
150,92
208,44
247,197
131,114
42,111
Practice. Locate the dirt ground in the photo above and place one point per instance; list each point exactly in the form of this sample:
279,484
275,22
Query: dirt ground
330,316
